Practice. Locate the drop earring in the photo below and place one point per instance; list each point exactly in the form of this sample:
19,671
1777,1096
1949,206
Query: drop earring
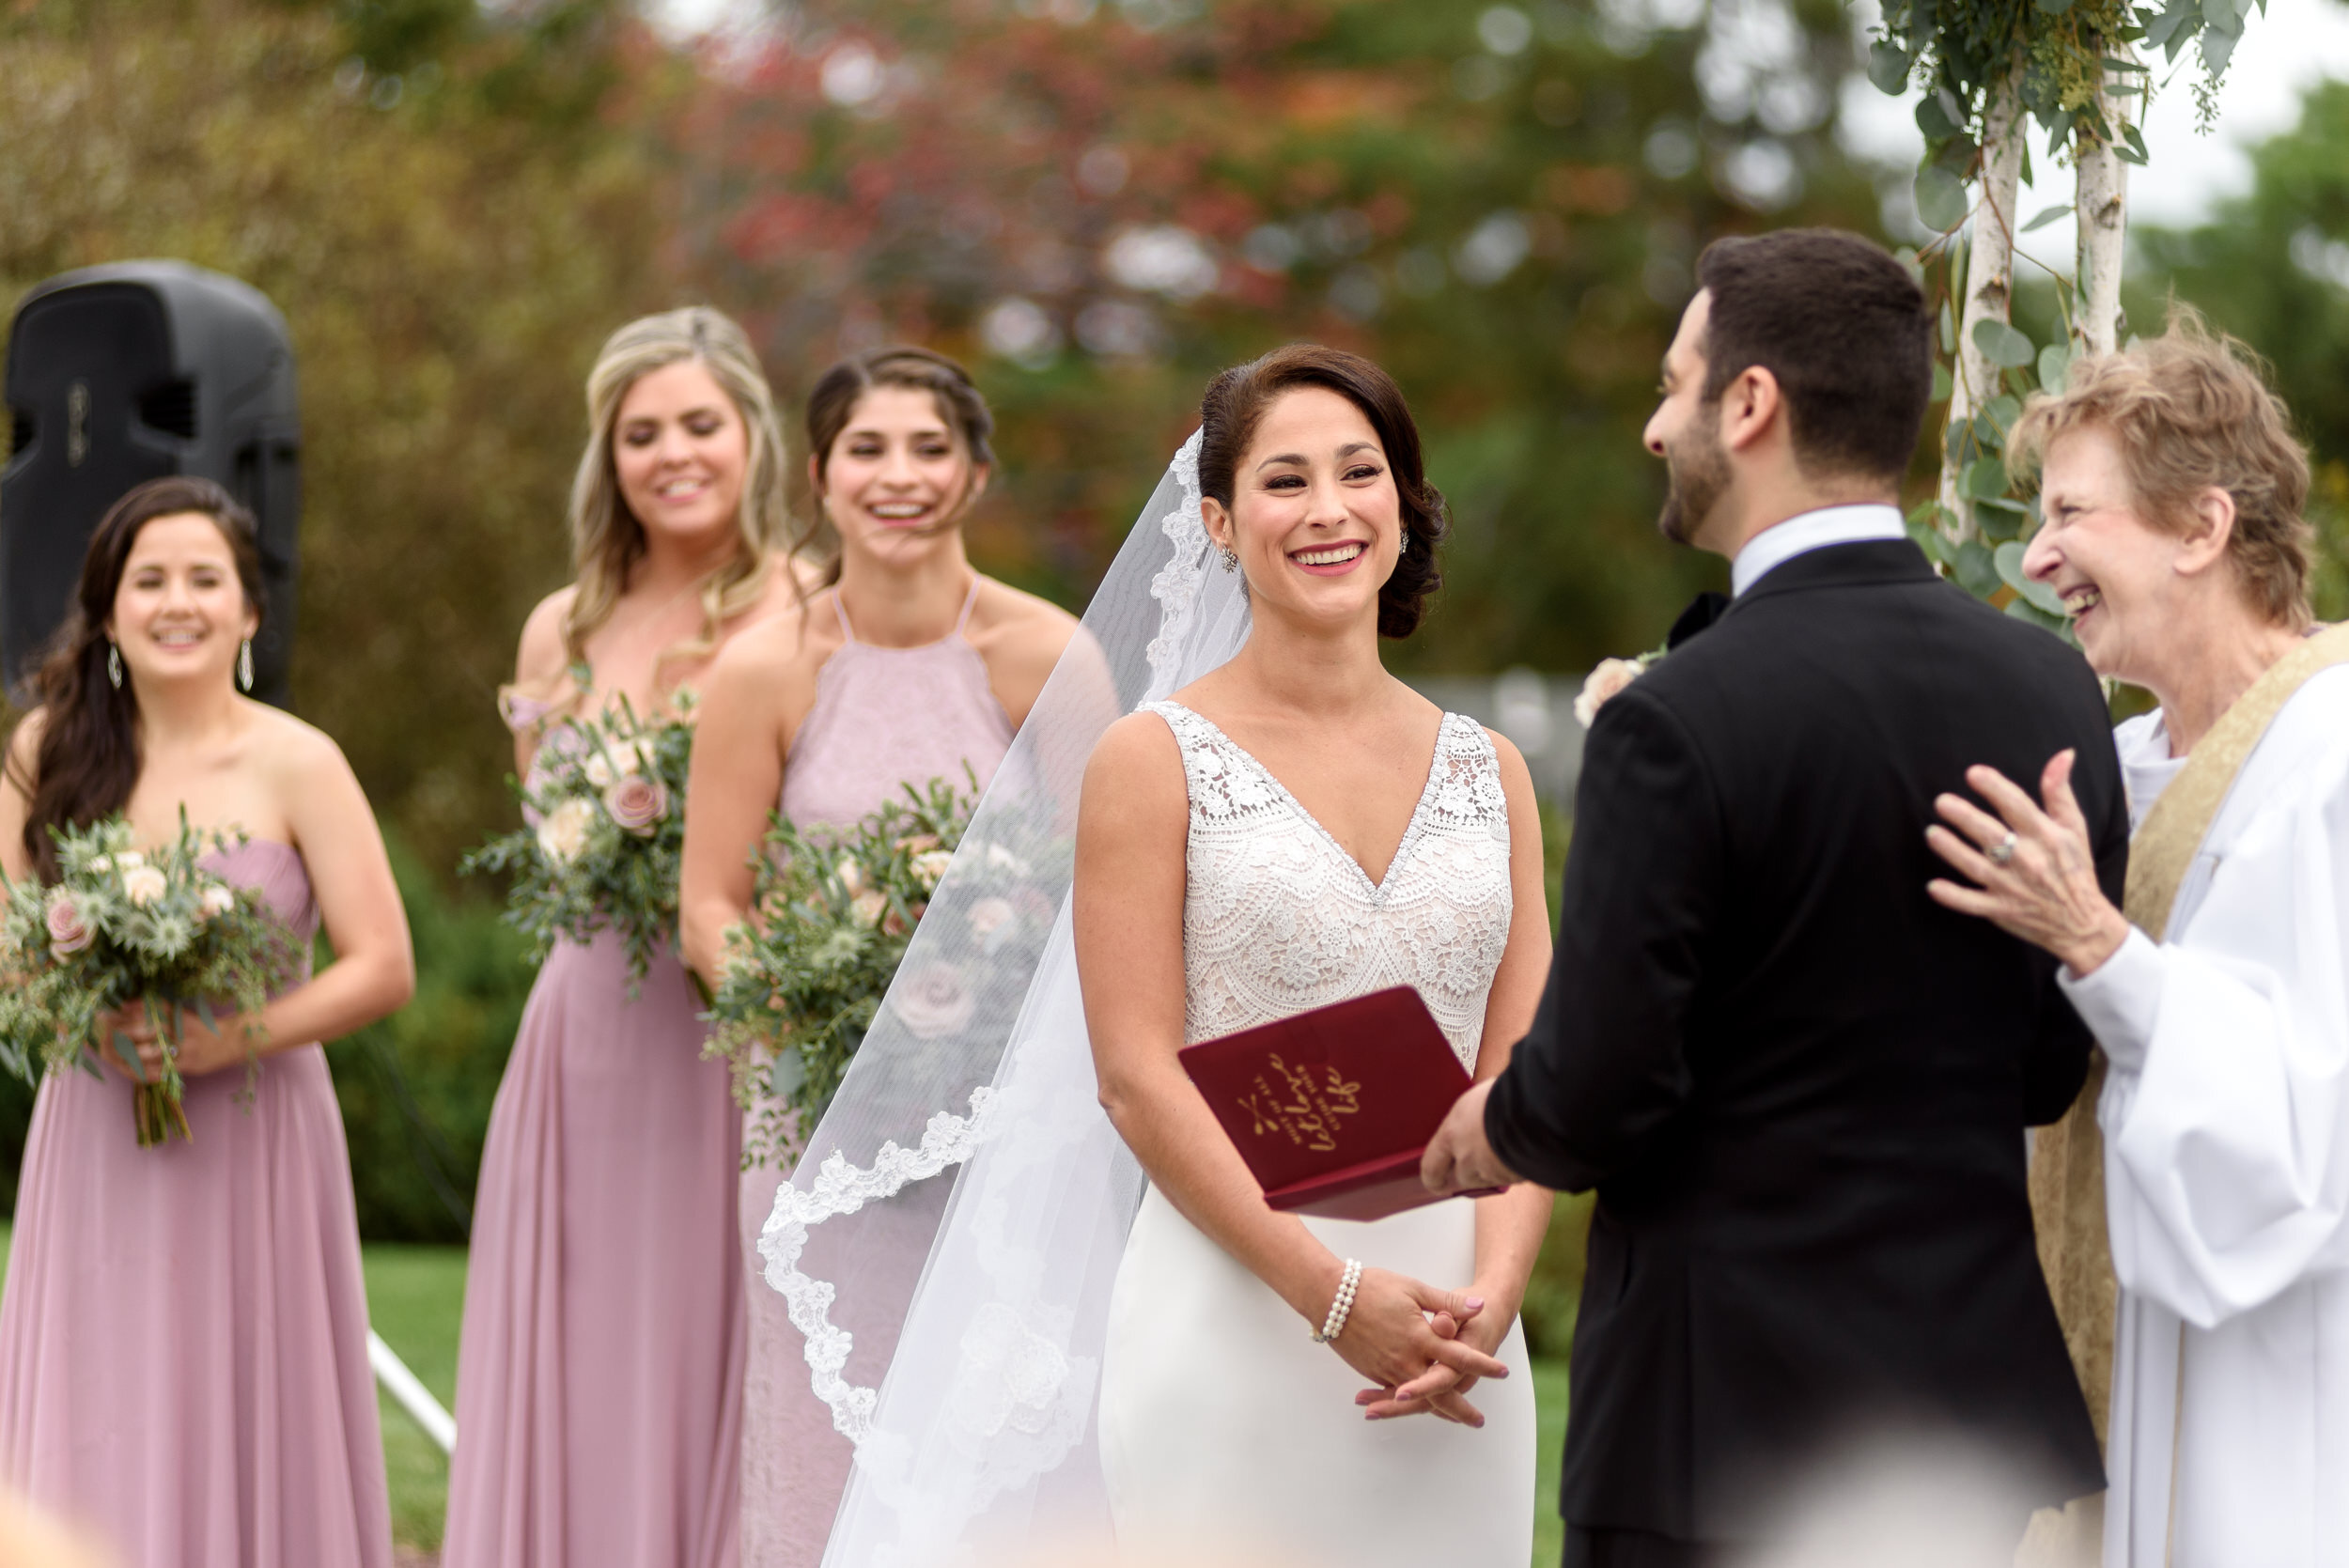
1229,556
244,666
114,665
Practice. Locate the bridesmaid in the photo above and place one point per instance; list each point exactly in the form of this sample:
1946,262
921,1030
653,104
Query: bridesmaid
183,1338
599,1379
907,666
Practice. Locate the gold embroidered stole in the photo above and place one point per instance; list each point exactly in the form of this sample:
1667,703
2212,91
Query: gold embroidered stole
2067,1168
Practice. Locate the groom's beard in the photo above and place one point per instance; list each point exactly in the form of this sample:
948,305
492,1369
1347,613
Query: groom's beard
1697,475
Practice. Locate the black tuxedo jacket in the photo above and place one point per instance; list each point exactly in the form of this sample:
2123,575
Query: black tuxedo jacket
1797,1083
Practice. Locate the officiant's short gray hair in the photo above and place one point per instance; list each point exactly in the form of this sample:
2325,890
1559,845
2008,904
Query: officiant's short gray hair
2192,410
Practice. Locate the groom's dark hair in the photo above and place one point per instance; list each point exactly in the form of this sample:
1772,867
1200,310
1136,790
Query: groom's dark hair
1844,328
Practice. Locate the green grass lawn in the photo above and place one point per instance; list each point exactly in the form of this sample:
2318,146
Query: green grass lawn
416,1298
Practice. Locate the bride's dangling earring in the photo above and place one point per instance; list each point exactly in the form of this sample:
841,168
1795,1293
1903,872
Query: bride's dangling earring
1229,556
114,664
244,666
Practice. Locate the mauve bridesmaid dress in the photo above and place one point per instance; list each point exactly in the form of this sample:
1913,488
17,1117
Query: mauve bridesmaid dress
882,718
598,1382
183,1335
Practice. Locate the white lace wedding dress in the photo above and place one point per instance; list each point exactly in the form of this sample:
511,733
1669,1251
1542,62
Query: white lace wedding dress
1223,1427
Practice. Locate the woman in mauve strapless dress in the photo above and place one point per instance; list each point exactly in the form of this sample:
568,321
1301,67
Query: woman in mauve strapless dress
183,1334
908,667
599,1378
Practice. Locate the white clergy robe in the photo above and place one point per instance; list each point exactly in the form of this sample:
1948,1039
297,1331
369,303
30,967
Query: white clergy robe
2225,1124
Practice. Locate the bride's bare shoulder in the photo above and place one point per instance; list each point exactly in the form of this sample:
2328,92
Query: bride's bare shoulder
1137,760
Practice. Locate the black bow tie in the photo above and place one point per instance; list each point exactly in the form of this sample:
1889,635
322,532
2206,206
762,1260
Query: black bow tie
1702,611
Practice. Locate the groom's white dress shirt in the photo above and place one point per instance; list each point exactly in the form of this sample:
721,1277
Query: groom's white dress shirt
1798,535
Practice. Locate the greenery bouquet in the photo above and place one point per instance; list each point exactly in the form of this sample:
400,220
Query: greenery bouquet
124,927
605,804
803,979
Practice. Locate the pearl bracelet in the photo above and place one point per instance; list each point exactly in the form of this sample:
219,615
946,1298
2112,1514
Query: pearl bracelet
1335,1325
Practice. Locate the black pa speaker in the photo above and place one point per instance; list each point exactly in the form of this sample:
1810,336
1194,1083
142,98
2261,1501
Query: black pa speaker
129,372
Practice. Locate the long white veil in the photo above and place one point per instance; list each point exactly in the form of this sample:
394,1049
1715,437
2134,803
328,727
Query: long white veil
949,1238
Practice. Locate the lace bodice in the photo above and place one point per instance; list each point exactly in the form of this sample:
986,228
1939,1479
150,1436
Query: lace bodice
1278,917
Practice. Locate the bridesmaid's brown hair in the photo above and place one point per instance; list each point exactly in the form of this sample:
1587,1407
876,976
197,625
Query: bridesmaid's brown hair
832,404
88,759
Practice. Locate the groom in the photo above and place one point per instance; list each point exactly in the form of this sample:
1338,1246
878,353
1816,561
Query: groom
1798,1086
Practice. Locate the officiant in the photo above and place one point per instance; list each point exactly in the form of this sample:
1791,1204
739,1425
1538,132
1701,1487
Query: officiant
2217,1145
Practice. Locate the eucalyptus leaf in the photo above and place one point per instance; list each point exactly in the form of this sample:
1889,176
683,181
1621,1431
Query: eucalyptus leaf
2159,31
2003,410
2055,8
1934,120
2024,610
2221,14
2050,215
1985,479
2002,346
2217,49
1887,66
1942,386
1958,446
1977,571
2010,564
2055,365
1940,199
1949,330
1998,519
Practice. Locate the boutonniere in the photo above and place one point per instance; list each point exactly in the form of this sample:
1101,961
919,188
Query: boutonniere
1608,679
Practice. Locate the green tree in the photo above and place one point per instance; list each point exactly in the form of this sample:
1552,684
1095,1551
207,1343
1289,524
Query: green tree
2272,265
1101,206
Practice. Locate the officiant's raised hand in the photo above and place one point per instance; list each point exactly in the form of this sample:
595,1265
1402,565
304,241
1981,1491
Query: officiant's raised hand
2036,871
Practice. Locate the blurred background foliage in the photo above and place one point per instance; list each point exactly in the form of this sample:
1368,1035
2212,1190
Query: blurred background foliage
1096,203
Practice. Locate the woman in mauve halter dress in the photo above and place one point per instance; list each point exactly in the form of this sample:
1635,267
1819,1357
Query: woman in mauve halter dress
183,1337
908,666
599,1378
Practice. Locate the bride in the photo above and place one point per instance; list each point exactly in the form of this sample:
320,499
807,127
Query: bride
1089,1351
1296,828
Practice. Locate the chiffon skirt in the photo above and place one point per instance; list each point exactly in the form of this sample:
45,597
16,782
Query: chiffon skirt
598,1410
1228,1434
183,1356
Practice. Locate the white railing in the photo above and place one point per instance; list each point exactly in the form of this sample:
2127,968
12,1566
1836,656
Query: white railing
411,1394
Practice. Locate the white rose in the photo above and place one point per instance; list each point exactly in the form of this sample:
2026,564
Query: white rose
869,906
851,875
1000,858
130,860
101,863
218,900
143,884
563,832
599,771
1609,678
931,864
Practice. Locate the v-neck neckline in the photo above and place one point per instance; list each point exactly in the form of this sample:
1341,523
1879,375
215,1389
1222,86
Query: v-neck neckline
1410,830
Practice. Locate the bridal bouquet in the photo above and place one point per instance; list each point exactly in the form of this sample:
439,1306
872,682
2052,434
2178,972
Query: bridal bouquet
124,927
803,980
605,804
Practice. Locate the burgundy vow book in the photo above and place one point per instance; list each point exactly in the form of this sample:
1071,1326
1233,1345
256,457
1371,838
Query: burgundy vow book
1332,1108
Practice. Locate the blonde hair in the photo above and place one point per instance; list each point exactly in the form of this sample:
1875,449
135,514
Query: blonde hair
2191,410
607,538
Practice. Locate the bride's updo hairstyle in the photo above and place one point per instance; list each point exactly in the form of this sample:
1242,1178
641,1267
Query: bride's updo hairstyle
1235,406
832,404
88,758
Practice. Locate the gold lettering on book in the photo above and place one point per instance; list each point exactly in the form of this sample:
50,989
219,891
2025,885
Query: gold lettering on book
1302,1104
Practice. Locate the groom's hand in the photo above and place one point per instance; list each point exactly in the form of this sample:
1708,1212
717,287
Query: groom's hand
1458,1159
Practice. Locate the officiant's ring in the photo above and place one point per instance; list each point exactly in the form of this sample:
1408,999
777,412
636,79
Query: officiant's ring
2003,851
